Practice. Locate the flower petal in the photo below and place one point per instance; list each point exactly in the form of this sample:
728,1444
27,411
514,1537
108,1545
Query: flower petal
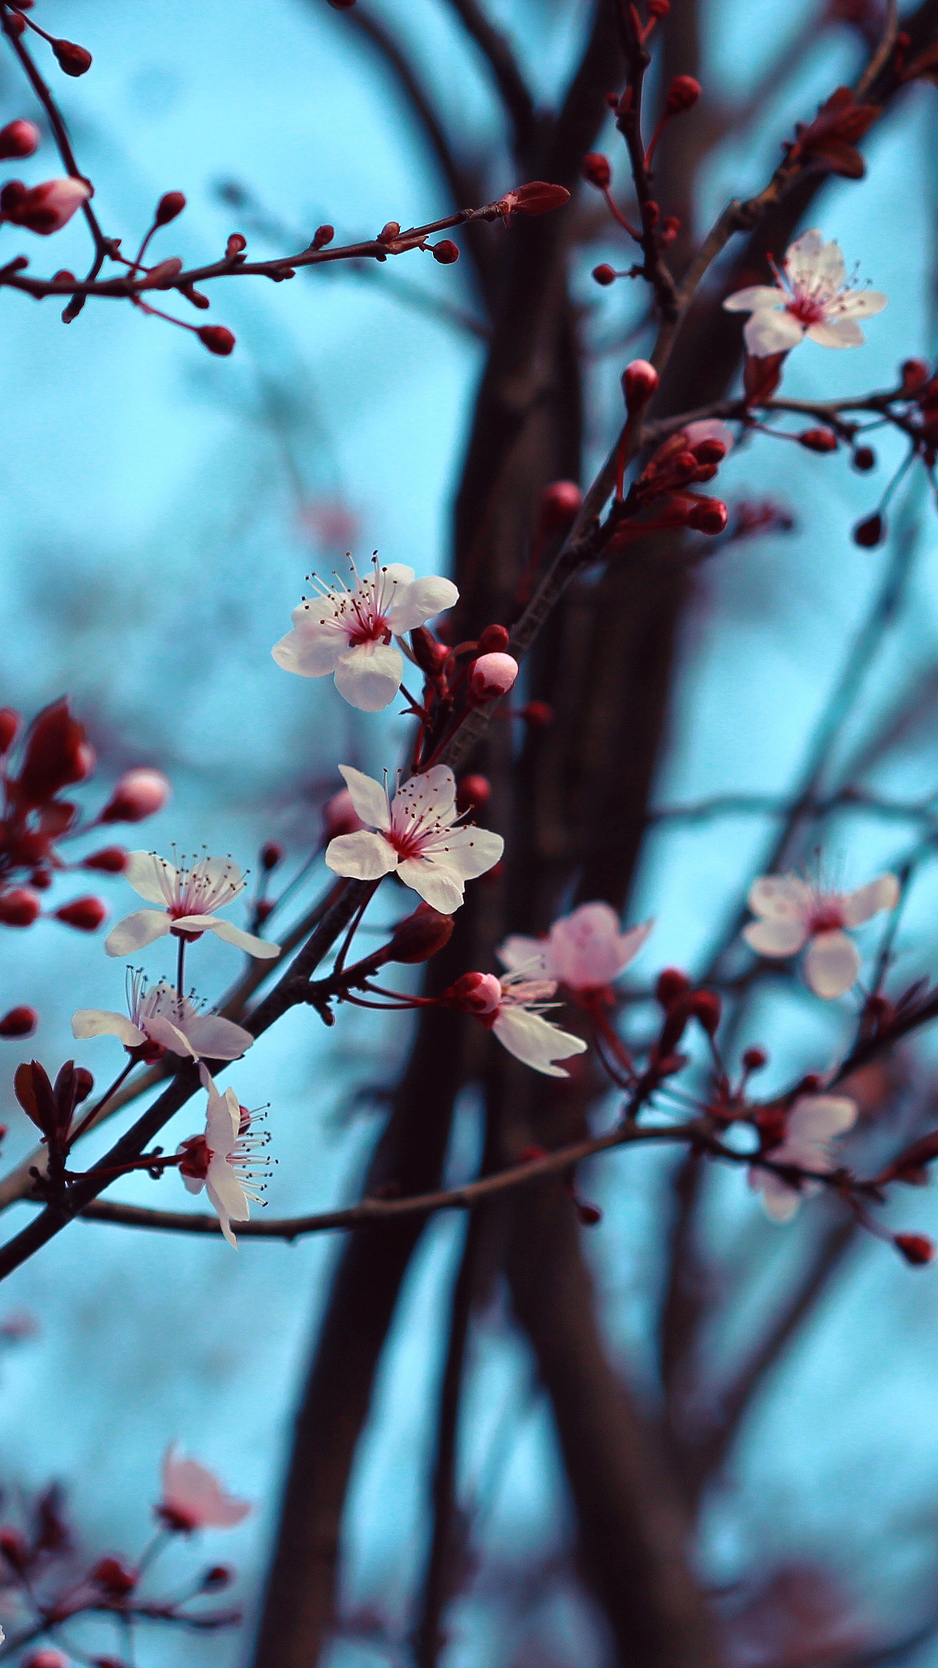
369,798
428,797
439,886
862,304
246,941
757,297
867,901
311,651
162,1030
361,856
780,1201
815,1119
216,1038
150,876
775,938
530,953
97,1022
420,602
836,333
469,852
136,930
771,332
369,676
804,257
831,965
533,1040
780,897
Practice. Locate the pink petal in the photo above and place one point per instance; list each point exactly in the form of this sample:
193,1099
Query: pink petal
831,965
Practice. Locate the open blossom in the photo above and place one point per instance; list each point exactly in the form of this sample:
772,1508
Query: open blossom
223,1160
810,1127
348,632
160,1019
418,836
812,298
583,950
514,1007
189,895
794,913
193,1497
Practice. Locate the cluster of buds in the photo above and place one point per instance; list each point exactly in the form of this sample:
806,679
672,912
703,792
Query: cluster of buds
55,755
916,405
681,1002
47,207
666,485
456,681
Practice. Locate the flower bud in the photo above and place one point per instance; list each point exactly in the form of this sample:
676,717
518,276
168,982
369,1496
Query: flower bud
755,1058
19,907
235,245
84,914
139,794
271,855
110,860
170,204
14,24
389,231
473,792
44,208
864,458
596,170
19,1022
46,1658
342,5
492,676
683,92
537,714
420,935
216,338
474,993
915,374
818,440
219,1576
9,728
114,1575
493,640
428,653
446,252
709,451
870,532
670,226
604,273
588,1214
74,60
18,139
14,1548
339,816
659,8
537,197
639,382
671,986
708,1008
917,1249
324,235
710,516
559,506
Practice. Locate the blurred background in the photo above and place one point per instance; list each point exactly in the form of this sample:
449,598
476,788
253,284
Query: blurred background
160,510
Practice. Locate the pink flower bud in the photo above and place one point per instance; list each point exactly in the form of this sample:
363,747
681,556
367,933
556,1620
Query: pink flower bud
473,792
917,1249
559,506
9,727
596,170
639,382
492,675
139,794
114,1576
18,139
45,208
604,273
84,914
818,440
683,92
216,338
446,252
110,860
46,1659
19,907
19,1022
474,993
170,204
74,60
493,640
339,816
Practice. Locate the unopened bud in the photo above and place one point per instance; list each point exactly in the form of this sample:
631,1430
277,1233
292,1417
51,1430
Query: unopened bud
236,245
74,60
473,792
588,1214
670,226
271,855
708,517
9,728
324,235
493,640
708,1009
709,451
46,1658
139,794
19,907
216,338
870,532
44,208
389,231
110,860
492,676
19,1022
755,1058
639,382
818,440
672,984
474,993
604,273
537,714
219,1576
84,914
114,1575
915,374
917,1249
339,816
864,458
14,1548
659,8
420,935
559,506
18,139
170,204
596,170
446,252
428,653
683,92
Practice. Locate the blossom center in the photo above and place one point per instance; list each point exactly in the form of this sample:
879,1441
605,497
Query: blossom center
827,918
806,309
369,629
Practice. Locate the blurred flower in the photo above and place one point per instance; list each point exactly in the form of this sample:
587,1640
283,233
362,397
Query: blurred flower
584,950
810,1127
190,895
418,838
162,1018
193,1498
793,912
812,298
349,632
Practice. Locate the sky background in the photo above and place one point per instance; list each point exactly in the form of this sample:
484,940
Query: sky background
159,510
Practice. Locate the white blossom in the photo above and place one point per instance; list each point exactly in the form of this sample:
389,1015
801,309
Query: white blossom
794,913
514,1007
223,1160
812,298
810,1126
584,950
163,1019
190,894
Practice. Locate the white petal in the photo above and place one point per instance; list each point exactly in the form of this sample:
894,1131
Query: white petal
536,1042
150,876
817,1118
861,304
420,602
529,953
193,923
780,1201
802,258
775,938
441,887
369,798
310,651
97,1022
361,856
136,930
755,298
832,964
469,852
429,796
836,333
771,332
369,676
246,941
216,1038
867,901
780,897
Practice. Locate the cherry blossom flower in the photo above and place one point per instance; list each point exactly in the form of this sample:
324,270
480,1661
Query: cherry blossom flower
222,1160
514,1007
583,950
794,913
418,837
349,632
812,298
810,1127
159,1020
190,894
193,1497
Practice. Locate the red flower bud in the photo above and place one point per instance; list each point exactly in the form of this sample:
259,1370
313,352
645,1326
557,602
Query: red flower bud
324,235
84,914
670,226
19,1022
588,1215
818,440
755,1058
870,532
114,1575
639,382
710,516
74,60
44,208
537,714
271,855
9,728
14,24
46,1659
683,92
139,794
473,792
708,1008
671,986
110,860
604,273
18,139
170,204
342,5
864,458
446,252
420,935
493,640
428,653
659,8
474,993
56,755
492,676
216,338
596,170
14,1547
917,1249
538,197
235,245
559,506
915,374
19,907
709,451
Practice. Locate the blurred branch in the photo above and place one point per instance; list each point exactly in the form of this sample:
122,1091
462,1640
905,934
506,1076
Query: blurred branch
511,84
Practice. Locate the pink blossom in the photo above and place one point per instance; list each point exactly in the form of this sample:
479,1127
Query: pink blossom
163,1019
223,1160
138,794
193,1497
44,208
811,1125
583,950
190,895
812,298
492,675
794,913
